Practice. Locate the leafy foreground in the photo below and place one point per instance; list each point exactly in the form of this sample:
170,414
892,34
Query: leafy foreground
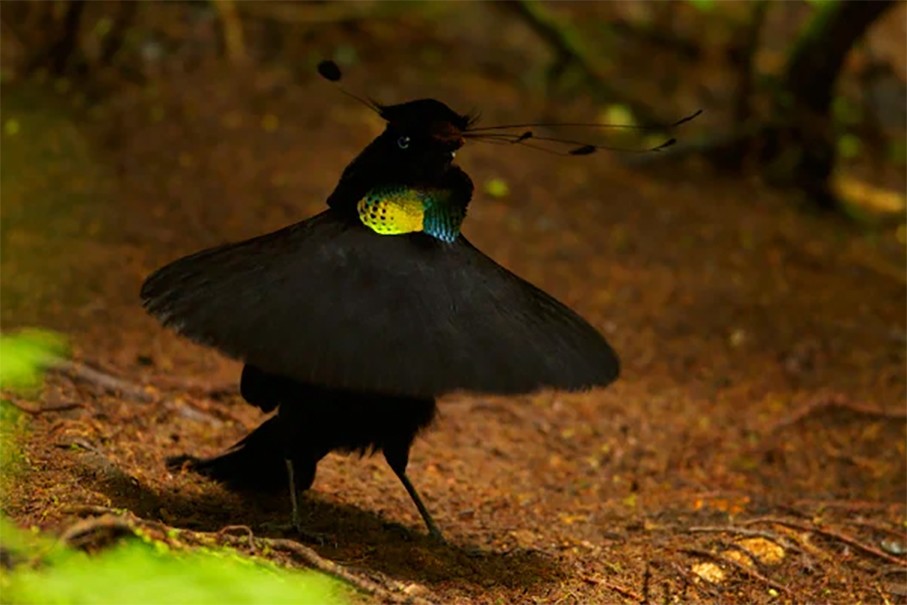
140,572
37,569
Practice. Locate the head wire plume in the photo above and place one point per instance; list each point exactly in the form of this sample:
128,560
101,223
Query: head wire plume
330,71
501,134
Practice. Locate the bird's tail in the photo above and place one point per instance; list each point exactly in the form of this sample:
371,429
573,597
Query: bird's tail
254,463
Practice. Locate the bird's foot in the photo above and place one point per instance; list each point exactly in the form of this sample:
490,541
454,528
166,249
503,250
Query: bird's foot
296,530
435,535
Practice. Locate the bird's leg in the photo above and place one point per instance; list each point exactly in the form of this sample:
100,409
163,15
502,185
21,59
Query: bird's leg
397,458
300,475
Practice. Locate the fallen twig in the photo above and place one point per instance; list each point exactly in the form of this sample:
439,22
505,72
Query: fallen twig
316,561
752,573
834,535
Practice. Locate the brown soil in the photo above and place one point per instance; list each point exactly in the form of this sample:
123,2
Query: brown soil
763,352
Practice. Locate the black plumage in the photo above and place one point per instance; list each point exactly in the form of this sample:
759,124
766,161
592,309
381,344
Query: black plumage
351,335
328,302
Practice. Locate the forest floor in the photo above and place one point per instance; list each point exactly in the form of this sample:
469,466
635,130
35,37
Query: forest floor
752,451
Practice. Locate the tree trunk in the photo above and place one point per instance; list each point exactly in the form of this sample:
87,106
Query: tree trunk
801,142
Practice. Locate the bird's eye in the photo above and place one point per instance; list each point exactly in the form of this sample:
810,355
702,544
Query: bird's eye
403,142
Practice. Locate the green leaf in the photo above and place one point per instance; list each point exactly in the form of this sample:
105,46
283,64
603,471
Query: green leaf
24,356
138,574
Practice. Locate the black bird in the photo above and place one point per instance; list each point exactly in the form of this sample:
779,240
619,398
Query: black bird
353,322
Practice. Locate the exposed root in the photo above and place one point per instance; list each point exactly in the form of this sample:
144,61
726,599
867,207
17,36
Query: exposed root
88,532
833,535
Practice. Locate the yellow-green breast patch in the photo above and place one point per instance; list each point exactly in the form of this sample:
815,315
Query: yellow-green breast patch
398,210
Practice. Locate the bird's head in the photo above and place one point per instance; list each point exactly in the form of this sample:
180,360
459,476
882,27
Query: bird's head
421,138
420,141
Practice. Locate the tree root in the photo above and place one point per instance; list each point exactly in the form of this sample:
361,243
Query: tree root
87,531
836,402
752,573
833,535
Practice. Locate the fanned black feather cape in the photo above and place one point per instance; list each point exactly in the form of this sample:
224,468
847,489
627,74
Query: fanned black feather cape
328,302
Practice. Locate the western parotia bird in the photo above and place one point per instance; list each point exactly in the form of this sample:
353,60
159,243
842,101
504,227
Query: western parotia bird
353,322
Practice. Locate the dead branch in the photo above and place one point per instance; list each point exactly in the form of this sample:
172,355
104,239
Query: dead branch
80,534
833,535
106,382
752,573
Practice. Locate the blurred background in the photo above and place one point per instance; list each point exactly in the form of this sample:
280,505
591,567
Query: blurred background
748,274
134,132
